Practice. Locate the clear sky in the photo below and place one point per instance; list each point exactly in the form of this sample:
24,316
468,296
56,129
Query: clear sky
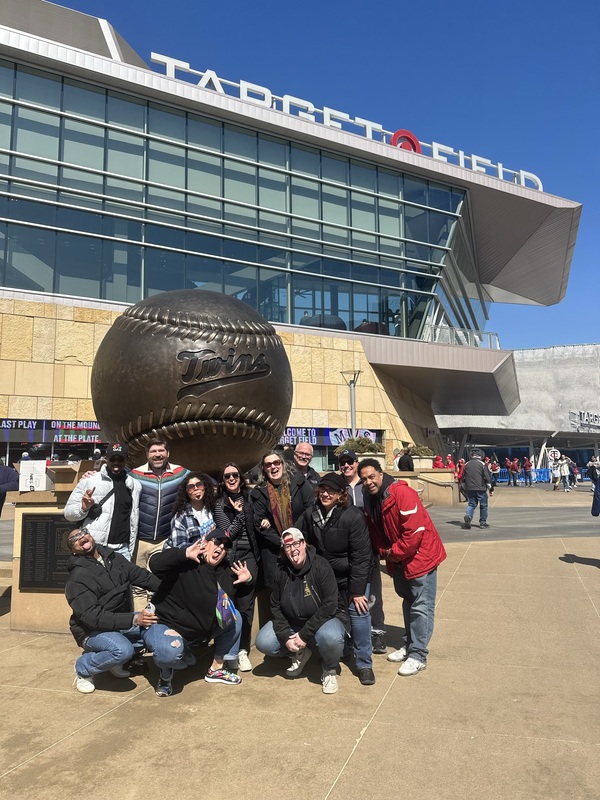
516,82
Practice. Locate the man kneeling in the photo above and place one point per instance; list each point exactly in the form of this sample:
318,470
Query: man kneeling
103,623
194,605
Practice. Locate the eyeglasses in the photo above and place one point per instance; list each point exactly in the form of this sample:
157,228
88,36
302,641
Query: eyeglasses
328,492
116,460
272,464
293,546
304,456
191,486
229,475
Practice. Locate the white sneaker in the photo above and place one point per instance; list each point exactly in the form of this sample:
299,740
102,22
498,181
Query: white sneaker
329,681
298,662
411,666
119,672
84,685
244,664
398,655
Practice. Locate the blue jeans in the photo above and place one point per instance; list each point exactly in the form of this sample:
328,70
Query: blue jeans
171,651
106,649
527,475
418,608
329,640
473,498
361,635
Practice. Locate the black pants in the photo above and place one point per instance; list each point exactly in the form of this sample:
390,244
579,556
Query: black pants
377,615
245,596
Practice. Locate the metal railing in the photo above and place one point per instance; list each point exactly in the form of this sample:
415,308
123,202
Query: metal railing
444,334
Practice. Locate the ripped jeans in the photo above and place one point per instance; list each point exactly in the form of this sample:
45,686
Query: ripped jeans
170,650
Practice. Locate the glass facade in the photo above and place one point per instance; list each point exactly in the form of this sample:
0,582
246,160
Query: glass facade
108,196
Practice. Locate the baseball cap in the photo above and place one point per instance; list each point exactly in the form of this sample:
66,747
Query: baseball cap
116,450
347,455
292,535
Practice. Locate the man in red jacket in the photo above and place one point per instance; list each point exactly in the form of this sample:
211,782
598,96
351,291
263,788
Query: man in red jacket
403,533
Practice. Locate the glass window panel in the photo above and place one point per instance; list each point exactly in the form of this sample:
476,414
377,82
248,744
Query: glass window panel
306,160
201,243
273,222
30,258
127,190
363,176
240,182
166,198
126,112
391,247
333,235
208,208
335,205
4,163
162,122
272,190
84,100
363,272
457,199
420,251
334,169
240,215
311,247
5,124
37,133
78,265
390,277
33,190
36,171
36,87
166,164
2,251
305,262
363,211
415,224
273,257
86,181
28,211
168,237
335,269
273,295
204,173
204,133
307,298
272,151
440,227
240,282
80,220
163,271
242,251
122,272
125,154
365,305
390,218
440,197
366,241
83,144
122,228
389,183
438,255
238,142
204,273
305,198
415,190
7,76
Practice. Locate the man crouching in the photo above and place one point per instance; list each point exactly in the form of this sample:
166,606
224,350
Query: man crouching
103,623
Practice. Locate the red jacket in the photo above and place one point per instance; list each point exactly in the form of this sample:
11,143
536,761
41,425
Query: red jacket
408,531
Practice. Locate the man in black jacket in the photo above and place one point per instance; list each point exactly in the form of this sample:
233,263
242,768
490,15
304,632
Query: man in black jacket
476,481
194,604
103,622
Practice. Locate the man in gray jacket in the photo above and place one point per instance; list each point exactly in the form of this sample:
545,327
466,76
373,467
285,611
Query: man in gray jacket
476,481
108,503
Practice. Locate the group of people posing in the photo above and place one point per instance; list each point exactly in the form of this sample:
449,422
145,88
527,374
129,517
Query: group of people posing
164,559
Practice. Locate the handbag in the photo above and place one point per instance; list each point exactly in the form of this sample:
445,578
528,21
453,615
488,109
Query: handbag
226,612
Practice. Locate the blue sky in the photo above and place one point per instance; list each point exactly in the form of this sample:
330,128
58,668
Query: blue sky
516,82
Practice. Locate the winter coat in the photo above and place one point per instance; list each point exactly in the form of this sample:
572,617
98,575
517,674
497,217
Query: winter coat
100,595
102,484
237,524
9,479
158,496
303,600
476,476
406,529
345,542
269,540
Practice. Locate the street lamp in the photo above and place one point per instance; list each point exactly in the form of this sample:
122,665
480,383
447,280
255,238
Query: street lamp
351,378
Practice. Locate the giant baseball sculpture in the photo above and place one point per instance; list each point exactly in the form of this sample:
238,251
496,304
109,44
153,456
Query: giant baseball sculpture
201,370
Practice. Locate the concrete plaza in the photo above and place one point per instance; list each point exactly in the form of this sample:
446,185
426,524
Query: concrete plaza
508,707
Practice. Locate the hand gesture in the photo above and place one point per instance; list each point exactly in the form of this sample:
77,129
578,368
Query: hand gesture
87,501
241,571
237,504
195,550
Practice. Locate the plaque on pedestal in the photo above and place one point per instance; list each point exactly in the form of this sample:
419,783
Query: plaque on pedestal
44,551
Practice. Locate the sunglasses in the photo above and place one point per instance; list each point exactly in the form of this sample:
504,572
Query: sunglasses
272,464
191,486
116,460
229,475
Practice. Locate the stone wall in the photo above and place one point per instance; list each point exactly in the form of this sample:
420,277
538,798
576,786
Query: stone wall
47,351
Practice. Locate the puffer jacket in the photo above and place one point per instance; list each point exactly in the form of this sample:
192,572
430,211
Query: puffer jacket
156,503
100,595
406,529
102,484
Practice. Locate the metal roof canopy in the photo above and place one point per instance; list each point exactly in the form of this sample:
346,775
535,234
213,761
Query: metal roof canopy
493,437
524,238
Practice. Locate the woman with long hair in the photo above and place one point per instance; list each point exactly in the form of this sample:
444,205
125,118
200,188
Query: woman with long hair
193,511
233,513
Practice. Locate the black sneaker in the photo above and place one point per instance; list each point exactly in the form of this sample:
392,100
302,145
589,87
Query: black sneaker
467,522
483,525
366,676
378,642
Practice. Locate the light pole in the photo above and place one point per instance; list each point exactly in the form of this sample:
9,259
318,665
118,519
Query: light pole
351,378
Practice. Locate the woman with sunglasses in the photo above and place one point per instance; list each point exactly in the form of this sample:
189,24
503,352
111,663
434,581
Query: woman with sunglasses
193,511
338,531
233,513
277,502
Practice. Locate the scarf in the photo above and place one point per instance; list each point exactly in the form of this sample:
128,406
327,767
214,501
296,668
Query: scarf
281,506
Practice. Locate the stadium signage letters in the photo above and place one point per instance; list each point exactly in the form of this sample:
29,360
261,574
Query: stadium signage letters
304,109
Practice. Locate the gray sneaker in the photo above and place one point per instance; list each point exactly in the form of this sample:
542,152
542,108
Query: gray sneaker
467,522
298,662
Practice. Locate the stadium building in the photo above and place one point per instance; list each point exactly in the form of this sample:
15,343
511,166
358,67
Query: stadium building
375,254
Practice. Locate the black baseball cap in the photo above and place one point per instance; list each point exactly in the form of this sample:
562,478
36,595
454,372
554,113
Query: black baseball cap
347,455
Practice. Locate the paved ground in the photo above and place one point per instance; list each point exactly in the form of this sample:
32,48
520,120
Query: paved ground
508,707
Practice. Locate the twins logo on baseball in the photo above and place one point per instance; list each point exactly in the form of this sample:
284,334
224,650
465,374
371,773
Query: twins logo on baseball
205,368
